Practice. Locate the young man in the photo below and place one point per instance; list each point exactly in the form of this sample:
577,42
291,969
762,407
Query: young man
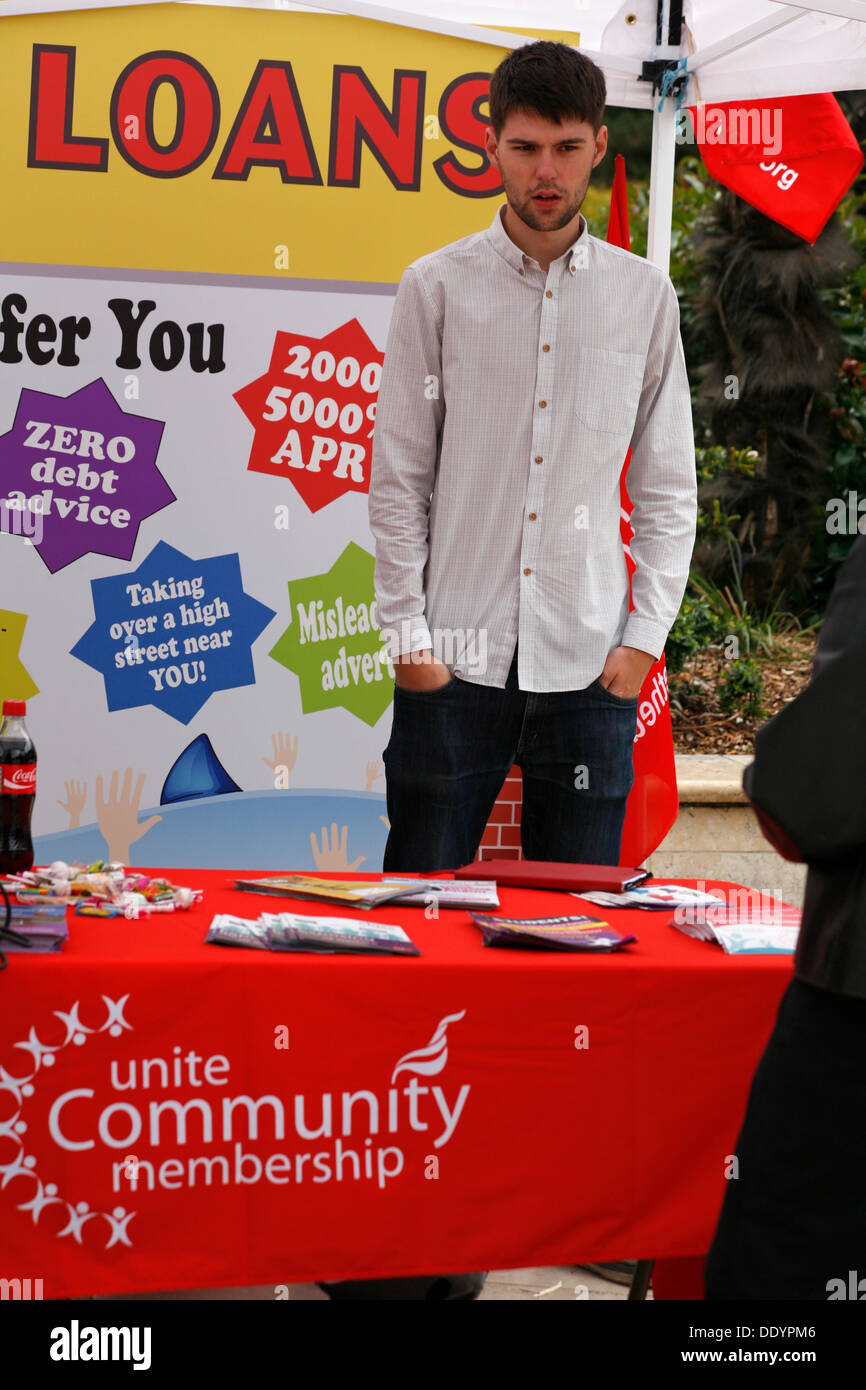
521,362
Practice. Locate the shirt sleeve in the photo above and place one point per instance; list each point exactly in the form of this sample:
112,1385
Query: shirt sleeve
662,484
409,416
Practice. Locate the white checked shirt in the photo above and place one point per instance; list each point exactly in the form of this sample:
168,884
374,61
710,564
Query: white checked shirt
508,400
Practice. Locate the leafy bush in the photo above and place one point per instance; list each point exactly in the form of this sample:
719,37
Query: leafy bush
742,688
696,626
847,410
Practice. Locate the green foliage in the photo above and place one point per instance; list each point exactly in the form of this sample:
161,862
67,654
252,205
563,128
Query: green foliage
629,133
848,300
711,615
762,628
696,627
714,522
847,409
714,459
742,688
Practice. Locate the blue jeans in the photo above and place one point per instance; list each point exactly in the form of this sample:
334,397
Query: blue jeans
451,749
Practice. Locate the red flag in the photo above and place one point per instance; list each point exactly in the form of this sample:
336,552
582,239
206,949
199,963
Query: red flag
617,223
653,802
792,158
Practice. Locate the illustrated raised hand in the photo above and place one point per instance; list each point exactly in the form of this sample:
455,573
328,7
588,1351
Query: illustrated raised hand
76,795
285,754
117,817
333,856
374,771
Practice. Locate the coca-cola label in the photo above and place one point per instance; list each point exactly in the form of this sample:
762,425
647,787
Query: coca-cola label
18,778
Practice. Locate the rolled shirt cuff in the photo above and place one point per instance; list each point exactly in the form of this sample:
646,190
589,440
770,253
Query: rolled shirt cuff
646,634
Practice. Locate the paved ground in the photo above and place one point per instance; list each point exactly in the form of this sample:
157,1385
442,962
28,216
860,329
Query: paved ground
568,1282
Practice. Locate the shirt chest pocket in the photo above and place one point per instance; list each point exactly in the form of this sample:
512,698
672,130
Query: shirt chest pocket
608,389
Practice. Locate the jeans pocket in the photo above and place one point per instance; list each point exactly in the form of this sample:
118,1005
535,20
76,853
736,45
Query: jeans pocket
627,701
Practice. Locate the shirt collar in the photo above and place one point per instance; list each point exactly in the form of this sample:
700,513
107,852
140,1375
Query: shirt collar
506,248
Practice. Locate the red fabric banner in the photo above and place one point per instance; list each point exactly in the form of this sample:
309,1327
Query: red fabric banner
179,1115
653,802
792,158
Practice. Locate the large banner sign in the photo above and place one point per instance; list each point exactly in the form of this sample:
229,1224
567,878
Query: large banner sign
206,213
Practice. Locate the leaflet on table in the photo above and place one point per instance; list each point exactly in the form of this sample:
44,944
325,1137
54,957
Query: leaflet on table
661,895
465,892
742,929
42,927
288,931
552,933
227,930
752,940
345,892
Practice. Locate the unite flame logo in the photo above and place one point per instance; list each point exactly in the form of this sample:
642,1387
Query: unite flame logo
429,1060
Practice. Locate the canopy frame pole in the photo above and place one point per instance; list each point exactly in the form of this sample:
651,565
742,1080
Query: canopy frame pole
661,184
661,190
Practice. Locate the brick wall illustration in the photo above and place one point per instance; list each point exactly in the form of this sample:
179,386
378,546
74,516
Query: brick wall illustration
501,838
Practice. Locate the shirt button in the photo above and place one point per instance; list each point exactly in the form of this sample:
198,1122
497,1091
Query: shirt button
548,294
532,516
522,271
527,571
538,458
546,347
542,404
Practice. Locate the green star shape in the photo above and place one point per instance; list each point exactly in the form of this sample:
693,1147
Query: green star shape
338,669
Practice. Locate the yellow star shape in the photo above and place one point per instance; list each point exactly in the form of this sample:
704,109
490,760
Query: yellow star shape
16,682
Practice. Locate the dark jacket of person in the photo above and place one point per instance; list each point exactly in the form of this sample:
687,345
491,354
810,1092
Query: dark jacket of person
808,788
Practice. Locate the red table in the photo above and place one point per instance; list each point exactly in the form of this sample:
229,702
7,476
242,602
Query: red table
471,1108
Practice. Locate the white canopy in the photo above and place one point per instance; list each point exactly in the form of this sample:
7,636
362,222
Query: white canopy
735,48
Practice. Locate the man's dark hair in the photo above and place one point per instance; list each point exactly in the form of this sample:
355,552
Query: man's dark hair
550,79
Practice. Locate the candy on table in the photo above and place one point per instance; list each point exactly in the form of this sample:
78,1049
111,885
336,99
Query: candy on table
97,907
103,889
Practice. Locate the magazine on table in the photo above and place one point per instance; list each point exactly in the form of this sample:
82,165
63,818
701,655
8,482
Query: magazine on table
573,933
458,893
343,892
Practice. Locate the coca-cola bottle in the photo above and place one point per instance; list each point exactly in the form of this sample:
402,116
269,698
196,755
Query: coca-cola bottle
17,789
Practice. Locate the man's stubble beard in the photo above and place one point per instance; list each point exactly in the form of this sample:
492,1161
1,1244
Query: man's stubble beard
526,213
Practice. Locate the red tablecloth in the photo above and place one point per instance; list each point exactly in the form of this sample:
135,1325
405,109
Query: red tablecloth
471,1108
